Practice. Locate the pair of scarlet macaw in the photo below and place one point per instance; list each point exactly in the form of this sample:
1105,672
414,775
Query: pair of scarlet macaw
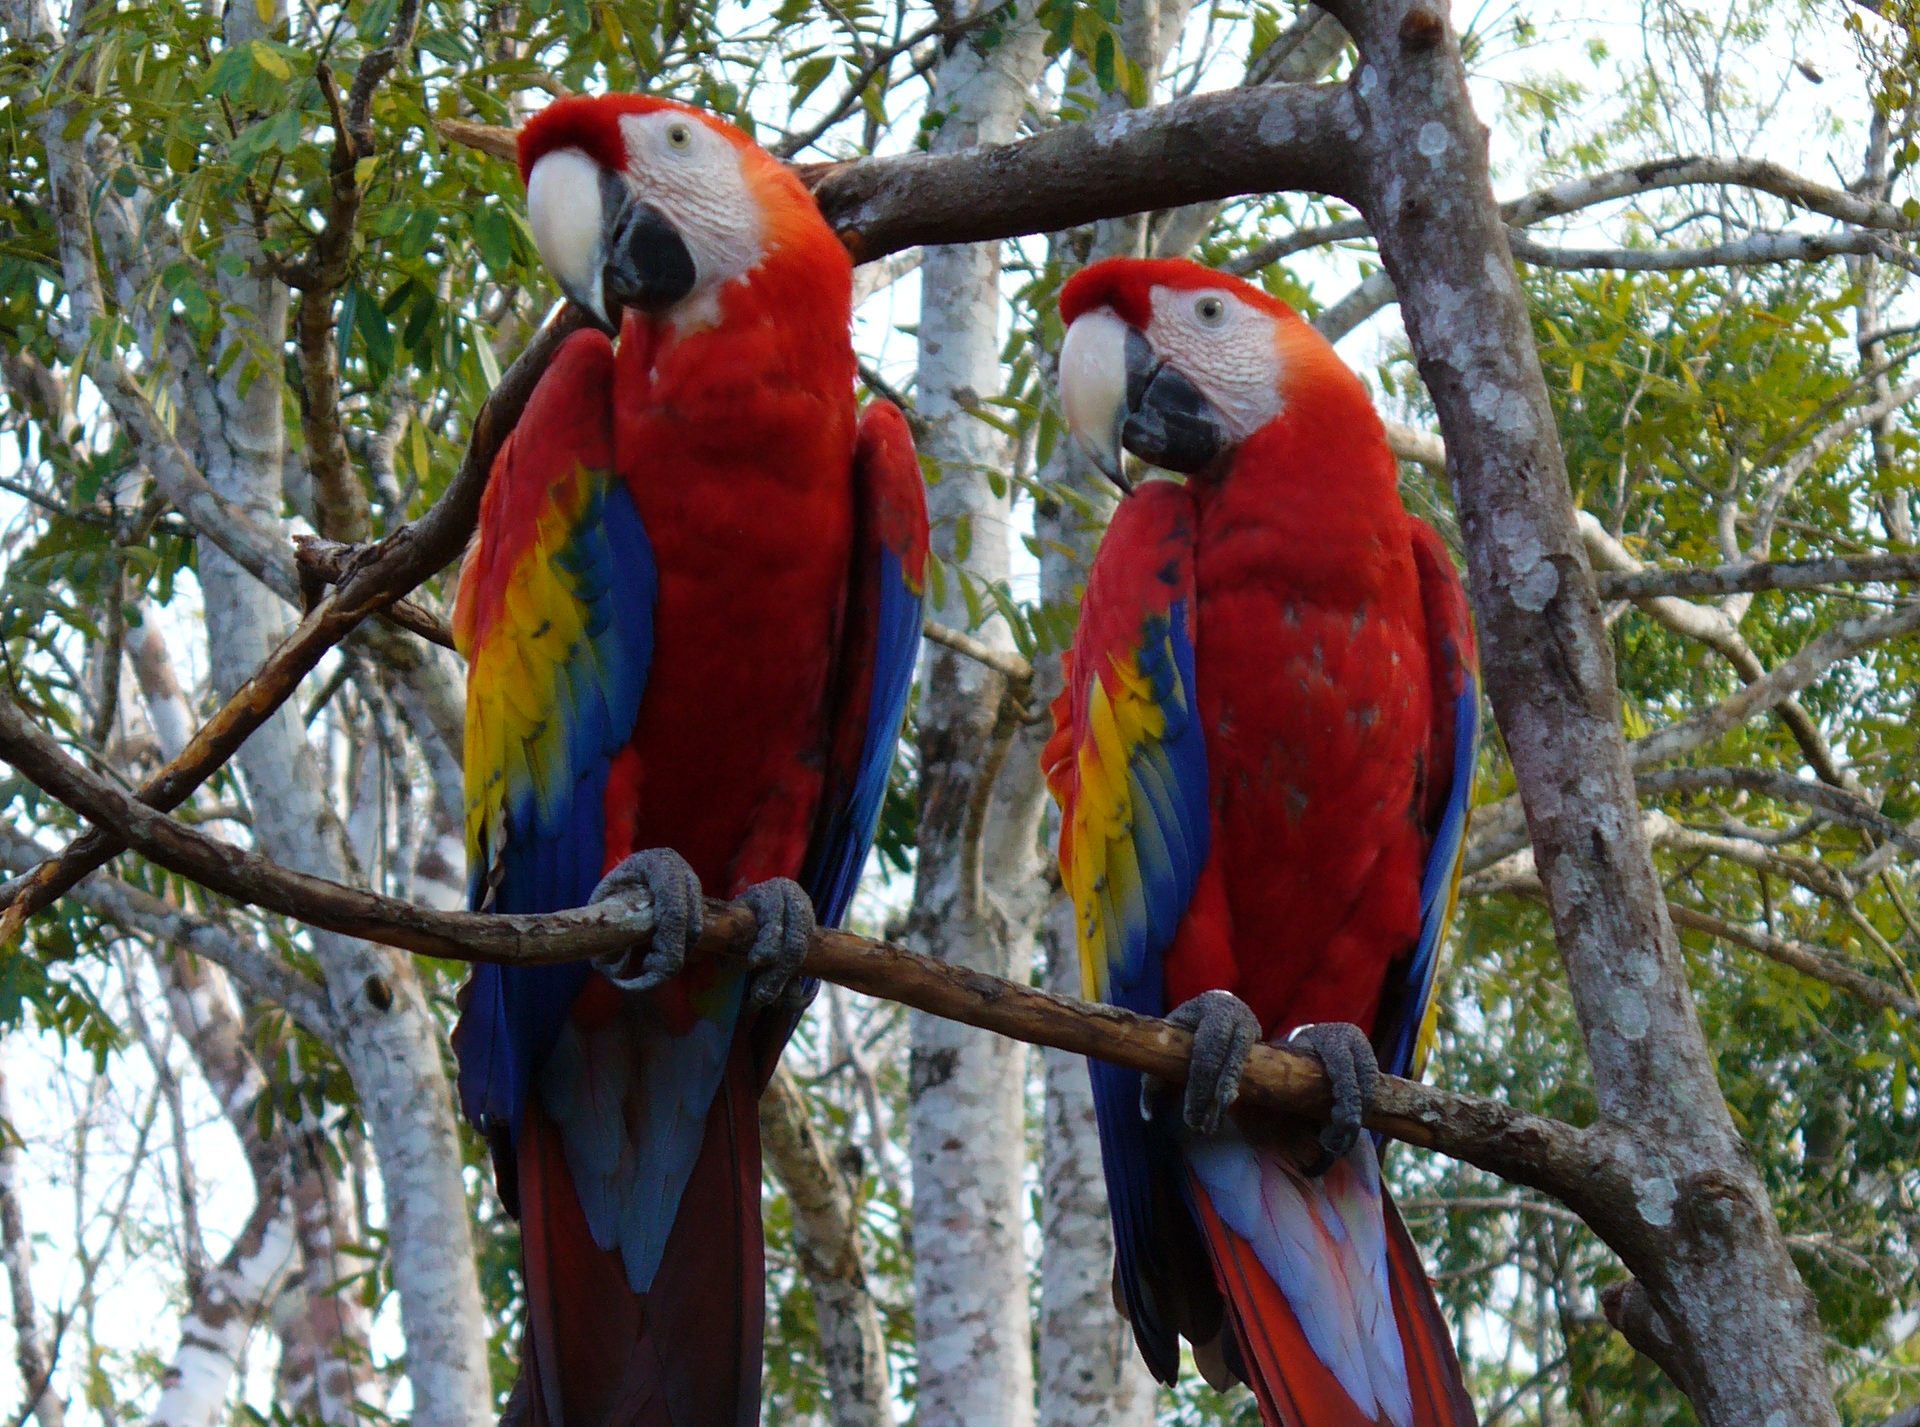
691,616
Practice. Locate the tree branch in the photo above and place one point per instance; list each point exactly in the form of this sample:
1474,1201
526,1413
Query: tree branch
1569,1163
1754,250
1750,575
1560,199
1192,150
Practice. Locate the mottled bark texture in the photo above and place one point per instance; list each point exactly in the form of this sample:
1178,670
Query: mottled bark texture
1698,1230
967,1089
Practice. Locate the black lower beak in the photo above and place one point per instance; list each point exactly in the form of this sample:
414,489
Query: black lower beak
1169,422
648,263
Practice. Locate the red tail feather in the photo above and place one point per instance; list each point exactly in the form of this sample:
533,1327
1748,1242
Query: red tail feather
1293,1387
1433,1370
597,1354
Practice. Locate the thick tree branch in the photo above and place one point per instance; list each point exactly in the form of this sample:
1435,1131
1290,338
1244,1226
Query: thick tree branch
1717,1269
392,567
1192,150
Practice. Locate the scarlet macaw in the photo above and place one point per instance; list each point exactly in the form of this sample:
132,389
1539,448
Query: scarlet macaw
690,618
1263,756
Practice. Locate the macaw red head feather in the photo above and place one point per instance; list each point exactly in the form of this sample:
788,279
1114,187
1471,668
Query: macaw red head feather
591,123
1126,286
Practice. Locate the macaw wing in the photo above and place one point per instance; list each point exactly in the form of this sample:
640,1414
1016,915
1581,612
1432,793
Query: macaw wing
1127,763
1408,1007
879,643
555,617
873,673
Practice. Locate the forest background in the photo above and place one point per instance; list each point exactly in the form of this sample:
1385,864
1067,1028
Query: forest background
256,278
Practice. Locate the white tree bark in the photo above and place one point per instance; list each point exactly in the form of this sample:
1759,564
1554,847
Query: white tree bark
30,1352
968,1107
230,1303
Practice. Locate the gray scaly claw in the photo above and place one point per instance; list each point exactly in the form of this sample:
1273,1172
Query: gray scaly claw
1224,1031
1354,1071
785,914
679,916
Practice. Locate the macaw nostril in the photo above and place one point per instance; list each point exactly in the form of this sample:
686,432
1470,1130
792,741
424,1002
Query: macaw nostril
649,265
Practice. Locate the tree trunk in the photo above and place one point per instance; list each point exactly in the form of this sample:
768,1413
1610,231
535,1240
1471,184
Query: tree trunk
1718,1302
967,1089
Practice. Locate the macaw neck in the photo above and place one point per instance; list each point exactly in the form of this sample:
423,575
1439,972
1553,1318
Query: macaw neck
732,376
1311,497
787,321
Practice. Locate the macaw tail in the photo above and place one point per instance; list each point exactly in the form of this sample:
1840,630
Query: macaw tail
684,1353
1334,1320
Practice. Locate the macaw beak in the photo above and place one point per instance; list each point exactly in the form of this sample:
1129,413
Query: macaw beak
1120,396
607,250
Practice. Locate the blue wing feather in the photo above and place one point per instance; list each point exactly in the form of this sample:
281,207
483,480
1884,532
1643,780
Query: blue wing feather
840,851
1128,763
553,848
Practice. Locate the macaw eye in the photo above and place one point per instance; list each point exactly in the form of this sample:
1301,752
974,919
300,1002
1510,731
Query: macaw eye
679,136
1211,311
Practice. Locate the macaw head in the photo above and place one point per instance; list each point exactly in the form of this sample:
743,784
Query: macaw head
648,204
1181,364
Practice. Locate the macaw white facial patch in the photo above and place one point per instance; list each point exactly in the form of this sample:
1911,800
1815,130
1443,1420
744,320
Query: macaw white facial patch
1226,348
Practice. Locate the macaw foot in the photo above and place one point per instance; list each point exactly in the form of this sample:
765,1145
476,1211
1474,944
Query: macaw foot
1354,1071
679,915
1224,1031
785,914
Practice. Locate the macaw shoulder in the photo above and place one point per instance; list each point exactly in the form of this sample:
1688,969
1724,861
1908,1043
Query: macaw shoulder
539,478
1143,568
1449,618
890,472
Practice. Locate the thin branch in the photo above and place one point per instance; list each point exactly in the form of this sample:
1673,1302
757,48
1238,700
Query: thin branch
1751,575
1807,960
1516,876
1754,250
141,913
1835,803
1842,641
331,561
1017,671
1576,194
393,566
943,27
